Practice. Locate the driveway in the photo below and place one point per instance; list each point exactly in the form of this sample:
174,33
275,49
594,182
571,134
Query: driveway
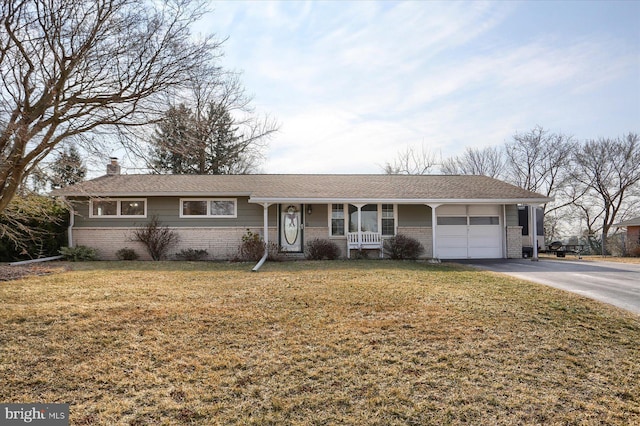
609,282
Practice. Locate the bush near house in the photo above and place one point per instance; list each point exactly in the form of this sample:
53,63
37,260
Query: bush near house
319,249
157,239
79,253
402,247
39,224
127,253
192,255
252,248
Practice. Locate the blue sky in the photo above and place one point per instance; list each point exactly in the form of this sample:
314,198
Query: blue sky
354,83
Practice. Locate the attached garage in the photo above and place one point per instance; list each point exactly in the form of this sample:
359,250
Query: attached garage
469,231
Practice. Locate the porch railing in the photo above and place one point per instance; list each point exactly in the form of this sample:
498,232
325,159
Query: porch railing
364,240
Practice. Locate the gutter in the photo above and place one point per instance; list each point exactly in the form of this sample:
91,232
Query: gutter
427,201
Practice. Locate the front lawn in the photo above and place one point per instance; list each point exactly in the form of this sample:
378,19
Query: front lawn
360,342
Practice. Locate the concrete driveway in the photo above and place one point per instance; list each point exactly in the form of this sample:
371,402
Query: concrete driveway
609,282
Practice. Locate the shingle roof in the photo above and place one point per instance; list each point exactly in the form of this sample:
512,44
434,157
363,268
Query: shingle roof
631,222
307,188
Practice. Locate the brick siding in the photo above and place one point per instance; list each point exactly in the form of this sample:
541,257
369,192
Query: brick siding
220,243
514,242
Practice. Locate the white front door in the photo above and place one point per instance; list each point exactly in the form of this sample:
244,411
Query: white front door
291,227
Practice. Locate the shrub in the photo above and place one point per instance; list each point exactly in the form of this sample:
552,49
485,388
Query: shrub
192,254
32,226
359,254
275,253
156,238
318,249
126,254
79,253
251,248
403,247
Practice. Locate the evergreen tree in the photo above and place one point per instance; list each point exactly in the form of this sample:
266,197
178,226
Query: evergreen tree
173,142
67,168
209,143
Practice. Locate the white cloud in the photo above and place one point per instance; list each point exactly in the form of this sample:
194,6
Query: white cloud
355,82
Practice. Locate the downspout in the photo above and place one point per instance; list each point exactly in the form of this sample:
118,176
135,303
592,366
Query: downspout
72,217
265,238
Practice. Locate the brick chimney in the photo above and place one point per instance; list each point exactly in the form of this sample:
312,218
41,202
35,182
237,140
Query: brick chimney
113,168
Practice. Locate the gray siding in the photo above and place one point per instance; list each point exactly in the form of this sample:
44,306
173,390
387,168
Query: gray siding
414,215
168,211
512,215
249,215
318,217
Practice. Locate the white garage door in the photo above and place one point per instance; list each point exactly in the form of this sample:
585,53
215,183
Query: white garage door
476,235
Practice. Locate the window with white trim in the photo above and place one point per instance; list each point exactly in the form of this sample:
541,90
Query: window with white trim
208,207
388,220
118,207
337,219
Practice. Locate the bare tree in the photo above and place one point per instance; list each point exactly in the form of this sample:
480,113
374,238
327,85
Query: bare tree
608,170
540,161
71,67
412,162
475,161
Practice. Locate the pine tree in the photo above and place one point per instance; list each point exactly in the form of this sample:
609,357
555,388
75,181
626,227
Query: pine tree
211,143
67,168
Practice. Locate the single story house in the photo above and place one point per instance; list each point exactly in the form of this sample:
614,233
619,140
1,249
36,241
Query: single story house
633,232
454,217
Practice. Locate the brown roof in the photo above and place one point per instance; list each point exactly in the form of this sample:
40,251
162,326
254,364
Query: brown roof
308,188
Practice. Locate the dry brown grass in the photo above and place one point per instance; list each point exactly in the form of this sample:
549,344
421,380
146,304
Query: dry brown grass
591,257
363,342
613,259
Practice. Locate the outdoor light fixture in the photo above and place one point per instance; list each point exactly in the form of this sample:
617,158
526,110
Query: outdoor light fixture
309,209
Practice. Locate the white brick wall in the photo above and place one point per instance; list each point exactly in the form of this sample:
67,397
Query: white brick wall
322,233
514,242
220,243
422,234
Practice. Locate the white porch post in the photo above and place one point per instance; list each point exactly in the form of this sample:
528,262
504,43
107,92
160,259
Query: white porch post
265,237
505,249
434,225
359,206
265,222
534,232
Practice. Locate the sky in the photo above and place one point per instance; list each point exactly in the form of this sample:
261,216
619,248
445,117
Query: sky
353,83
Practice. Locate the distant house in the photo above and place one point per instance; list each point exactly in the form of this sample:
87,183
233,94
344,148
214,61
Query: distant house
454,217
633,232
